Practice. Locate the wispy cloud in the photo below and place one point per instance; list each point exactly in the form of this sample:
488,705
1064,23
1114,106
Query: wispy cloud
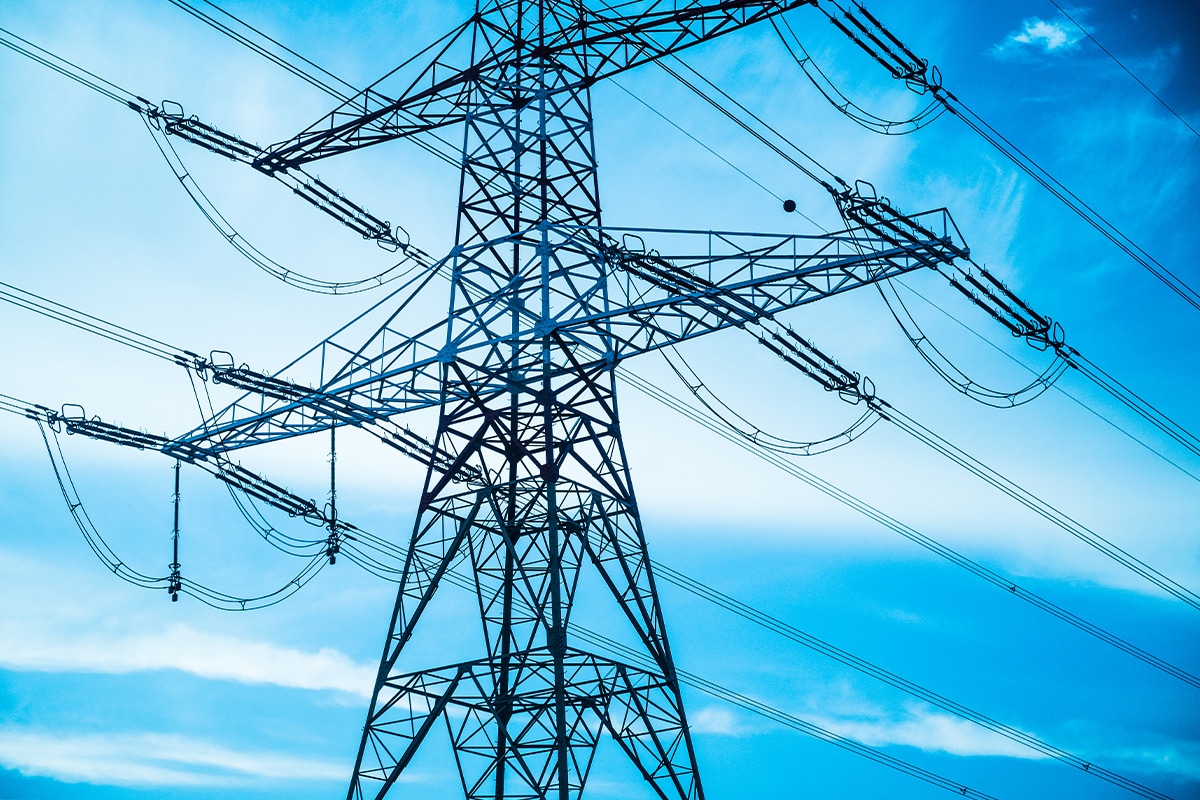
929,731
183,648
1038,34
1171,757
67,637
917,725
717,721
151,759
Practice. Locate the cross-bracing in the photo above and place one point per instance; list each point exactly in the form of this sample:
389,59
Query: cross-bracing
544,304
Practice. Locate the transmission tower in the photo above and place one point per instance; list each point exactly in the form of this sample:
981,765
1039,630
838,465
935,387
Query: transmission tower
528,498
528,486
531,485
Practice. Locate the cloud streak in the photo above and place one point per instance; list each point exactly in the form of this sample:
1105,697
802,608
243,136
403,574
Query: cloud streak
68,637
1178,758
717,721
150,759
183,648
929,731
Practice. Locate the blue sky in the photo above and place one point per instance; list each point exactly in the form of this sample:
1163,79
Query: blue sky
111,691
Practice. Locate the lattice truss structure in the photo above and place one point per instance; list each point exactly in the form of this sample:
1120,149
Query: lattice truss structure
528,501
528,486
531,486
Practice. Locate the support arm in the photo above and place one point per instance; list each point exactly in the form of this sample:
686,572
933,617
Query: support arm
718,281
729,280
592,47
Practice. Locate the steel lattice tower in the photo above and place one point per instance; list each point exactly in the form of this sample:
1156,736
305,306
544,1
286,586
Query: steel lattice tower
528,483
528,495
559,493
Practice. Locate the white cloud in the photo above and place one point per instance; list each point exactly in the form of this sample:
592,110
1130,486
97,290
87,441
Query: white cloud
107,637
183,648
1176,758
150,759
926,729
1039,34
931,732
717,721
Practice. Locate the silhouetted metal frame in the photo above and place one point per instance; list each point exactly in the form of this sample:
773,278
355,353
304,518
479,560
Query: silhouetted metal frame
528,478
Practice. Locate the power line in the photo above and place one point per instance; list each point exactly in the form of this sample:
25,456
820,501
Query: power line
790,632
777,444
758,707
64,67
675,577
155,347
904,65
1055,386
1135,403
666,657
1101,378
1081,208
1128,71
96,542
345,93
689,135
913,535
788,720
770,712
317,562
175,355
1138,405
1039,506
154,122
845,105
886,411
255,256
958,378
88,323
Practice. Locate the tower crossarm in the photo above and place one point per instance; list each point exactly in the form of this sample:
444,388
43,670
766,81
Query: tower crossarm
731,279
591,47
74,421
713,281
274,409
881,220
608,43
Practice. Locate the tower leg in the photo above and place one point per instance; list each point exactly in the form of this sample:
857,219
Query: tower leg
524,722
646,718
403,712
436,543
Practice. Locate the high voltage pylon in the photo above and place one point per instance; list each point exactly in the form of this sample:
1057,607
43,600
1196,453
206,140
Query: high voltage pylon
545,302
527,480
